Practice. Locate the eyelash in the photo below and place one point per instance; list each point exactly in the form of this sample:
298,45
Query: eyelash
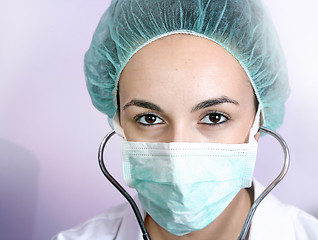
220,114
140,116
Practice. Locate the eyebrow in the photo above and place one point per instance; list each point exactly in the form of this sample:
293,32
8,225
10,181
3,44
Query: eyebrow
143,104
202,105
213,102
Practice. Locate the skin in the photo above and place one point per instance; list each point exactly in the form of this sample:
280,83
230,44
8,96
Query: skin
184,88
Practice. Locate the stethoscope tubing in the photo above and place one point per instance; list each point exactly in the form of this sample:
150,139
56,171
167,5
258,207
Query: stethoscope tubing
282,174
119,187
256,203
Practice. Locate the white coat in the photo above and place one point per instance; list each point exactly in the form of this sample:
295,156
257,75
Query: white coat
272,220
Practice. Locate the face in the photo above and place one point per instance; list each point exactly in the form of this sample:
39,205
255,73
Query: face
184,88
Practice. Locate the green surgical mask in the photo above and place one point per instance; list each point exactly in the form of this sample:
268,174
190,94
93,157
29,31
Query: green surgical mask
185,186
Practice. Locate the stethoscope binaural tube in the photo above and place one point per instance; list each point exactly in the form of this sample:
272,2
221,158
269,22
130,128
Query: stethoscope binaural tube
248,220
119,187
282,174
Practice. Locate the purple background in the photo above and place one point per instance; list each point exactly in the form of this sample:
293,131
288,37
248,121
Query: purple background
50,132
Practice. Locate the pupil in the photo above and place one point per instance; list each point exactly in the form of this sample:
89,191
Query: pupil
150,118
214,118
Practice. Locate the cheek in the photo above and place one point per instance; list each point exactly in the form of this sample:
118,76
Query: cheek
133,132
246,129
237,135
130,133
239,132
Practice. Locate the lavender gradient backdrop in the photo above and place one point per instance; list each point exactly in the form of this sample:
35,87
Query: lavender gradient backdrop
50,132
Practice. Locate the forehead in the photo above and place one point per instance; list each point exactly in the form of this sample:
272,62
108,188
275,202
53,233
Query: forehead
193,67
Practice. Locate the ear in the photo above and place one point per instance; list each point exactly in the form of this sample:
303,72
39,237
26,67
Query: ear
257,135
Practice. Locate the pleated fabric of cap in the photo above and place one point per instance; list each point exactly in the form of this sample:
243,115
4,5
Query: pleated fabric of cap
242,27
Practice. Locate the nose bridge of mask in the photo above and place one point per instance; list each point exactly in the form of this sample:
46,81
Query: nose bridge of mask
163,162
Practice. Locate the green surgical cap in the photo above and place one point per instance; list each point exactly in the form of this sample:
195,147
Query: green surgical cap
240,26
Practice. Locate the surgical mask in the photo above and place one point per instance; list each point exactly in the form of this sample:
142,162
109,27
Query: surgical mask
186,186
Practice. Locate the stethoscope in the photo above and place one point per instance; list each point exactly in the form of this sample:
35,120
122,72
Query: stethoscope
248,220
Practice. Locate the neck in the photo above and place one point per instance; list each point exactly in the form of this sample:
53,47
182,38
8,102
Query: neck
227,226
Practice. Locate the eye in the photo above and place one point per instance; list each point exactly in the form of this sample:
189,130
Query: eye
214,118
149,119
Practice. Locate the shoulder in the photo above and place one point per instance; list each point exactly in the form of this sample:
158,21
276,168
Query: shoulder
305,225
275,220
103,226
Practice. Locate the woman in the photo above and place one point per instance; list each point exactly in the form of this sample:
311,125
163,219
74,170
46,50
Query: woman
187,84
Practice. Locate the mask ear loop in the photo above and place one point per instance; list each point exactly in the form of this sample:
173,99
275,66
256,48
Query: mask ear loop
118,186
282,174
